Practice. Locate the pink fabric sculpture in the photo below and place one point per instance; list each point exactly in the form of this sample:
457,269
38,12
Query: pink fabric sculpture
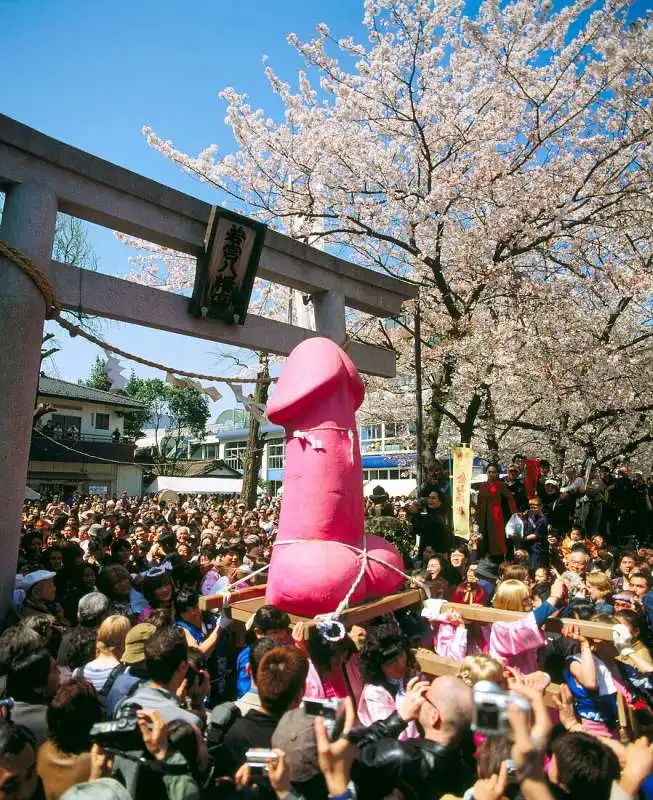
322,511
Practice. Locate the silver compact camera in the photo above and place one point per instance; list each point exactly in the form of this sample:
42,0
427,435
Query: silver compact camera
491,708
258,758
328,710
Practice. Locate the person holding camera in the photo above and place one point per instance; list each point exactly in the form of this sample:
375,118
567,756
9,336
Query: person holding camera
438,762
281,681
430,522
167,663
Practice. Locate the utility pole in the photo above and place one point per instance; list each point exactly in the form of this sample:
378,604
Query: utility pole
419,419
255,442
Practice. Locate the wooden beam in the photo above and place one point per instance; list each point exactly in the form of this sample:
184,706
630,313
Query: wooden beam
385,605
101,192
242,609
115,298
215,602
592,630
432,664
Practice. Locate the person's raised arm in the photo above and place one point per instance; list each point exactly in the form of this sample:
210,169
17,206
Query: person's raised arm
529,745
336,758
584,670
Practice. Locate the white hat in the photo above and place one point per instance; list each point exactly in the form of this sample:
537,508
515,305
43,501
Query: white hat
38,576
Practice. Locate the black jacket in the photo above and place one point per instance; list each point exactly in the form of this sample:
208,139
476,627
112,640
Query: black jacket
432,528
419,768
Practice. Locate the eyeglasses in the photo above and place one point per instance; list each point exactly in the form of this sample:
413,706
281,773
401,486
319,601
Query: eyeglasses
430,702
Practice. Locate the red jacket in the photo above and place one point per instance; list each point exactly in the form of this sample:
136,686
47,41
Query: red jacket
463,593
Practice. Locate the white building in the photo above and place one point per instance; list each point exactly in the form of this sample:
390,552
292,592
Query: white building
386,459
79,446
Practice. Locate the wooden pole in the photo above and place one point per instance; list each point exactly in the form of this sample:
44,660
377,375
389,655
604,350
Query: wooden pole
28,223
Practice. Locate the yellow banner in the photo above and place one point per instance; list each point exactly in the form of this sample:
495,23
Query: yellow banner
463,459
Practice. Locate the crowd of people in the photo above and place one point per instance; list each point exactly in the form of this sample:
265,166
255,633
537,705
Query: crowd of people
116,682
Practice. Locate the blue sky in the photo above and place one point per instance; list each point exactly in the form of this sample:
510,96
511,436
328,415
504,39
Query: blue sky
92,74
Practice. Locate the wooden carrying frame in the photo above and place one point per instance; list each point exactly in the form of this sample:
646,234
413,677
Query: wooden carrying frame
244,603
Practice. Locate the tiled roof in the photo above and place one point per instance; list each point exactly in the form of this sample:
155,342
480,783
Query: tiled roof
52,387
196,469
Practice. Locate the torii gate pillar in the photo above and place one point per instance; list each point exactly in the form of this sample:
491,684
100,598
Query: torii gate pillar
28,222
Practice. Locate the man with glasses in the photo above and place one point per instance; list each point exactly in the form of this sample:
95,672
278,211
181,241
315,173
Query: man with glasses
438,762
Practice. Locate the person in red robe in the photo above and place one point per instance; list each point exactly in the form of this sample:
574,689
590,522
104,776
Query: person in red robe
470,591
494,505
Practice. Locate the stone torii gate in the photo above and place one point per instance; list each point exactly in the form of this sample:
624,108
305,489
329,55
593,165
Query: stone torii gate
41,176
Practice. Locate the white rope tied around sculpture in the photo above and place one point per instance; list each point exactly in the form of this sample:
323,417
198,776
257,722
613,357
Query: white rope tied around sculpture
334,616
363,552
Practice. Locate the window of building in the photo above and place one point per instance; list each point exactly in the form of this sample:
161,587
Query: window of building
394,429
210,451
234,454
101,422
276,450
65,426
371,432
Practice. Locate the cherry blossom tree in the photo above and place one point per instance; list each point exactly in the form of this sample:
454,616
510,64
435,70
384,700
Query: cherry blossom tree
502,162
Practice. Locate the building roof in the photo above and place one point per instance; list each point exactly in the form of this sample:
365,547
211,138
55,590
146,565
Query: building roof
197,469
197,485
53,387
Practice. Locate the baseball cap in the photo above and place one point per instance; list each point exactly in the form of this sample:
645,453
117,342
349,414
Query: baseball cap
38,576
295,735
135,640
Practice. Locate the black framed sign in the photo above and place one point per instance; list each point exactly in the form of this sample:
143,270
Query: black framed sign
225,271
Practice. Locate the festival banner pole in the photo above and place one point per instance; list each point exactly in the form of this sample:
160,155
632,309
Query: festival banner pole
463,462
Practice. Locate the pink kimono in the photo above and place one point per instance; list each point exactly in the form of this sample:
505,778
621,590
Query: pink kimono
377,703
317,688
516,643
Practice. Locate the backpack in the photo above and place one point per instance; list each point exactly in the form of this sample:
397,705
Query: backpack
108,685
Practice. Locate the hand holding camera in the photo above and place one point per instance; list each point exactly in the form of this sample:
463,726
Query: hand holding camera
154,731
336,757
413,699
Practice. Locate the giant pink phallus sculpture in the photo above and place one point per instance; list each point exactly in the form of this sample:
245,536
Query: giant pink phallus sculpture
317,558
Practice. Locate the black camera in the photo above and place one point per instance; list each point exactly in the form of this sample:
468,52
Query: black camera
122,733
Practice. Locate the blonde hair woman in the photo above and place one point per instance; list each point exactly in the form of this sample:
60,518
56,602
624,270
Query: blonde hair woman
109,647
480,668
515,643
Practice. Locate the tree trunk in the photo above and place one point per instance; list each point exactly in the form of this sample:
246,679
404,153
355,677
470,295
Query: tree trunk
434,416
558,444
254,452
469,423
491,441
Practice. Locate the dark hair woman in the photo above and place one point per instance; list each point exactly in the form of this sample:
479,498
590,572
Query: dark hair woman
115,582
159,591
334,669
387,664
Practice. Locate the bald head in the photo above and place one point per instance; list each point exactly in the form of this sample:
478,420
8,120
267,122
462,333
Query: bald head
447,712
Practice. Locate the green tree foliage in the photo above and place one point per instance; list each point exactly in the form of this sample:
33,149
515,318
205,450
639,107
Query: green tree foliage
174,413
99,377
